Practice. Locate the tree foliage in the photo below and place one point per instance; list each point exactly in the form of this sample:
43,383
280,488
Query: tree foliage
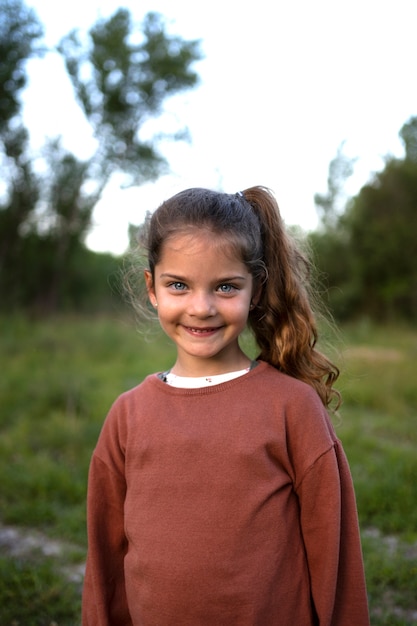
408,134
20,33
330,204
122,76
382,222
121,83
368,254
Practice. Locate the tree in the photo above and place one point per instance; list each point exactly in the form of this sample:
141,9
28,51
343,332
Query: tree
20,33
330,242
127,84
368,252
44,217
331,204
382,222
408,134
62,218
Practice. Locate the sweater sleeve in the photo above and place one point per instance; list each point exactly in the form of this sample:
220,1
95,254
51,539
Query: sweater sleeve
332,541
104,597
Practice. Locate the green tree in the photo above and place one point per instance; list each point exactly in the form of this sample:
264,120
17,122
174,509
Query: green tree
127,84
44,217
408,134
20,37
20,34
330,242
368,252
331,204
61,221
382,222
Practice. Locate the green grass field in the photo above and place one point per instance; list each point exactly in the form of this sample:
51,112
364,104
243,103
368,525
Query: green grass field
59,378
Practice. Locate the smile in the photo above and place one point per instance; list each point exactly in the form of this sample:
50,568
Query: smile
201,331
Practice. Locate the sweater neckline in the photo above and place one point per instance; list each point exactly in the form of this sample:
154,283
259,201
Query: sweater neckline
214,387
195,382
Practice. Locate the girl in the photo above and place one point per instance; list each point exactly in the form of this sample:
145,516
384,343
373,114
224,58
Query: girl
218,492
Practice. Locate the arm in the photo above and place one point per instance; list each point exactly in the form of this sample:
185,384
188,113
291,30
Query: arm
104,596
331,536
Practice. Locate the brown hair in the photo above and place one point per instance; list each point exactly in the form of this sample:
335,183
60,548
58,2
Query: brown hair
283,321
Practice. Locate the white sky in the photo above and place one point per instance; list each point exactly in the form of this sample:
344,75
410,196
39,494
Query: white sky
282,85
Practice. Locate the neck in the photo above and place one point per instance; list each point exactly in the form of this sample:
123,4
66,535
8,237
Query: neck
207,367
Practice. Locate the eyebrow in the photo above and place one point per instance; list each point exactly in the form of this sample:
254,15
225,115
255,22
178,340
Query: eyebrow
226,279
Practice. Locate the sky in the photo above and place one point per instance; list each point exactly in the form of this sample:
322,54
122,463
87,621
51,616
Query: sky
282,85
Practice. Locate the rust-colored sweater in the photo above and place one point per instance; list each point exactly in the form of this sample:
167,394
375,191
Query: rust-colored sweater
229,505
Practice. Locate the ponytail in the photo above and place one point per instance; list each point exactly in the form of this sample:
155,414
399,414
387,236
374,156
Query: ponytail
283,321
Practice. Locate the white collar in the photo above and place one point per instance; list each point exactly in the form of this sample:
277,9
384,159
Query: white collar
194,382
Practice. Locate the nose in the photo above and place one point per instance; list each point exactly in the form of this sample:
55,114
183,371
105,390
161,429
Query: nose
202,305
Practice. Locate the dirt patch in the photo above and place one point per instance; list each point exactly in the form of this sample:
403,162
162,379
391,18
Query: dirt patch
27,543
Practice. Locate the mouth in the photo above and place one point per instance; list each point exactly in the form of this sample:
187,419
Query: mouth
201,331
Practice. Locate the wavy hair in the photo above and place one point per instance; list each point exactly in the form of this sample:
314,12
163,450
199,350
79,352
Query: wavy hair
284,323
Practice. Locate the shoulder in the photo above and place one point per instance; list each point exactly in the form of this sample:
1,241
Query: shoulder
298,414
296,402
290,389
147,386
302,409
124,411
128,402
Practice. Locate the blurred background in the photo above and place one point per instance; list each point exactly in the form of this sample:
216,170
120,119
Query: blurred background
108,109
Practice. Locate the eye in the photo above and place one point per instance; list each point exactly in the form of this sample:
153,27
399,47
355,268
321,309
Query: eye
226,288
178,286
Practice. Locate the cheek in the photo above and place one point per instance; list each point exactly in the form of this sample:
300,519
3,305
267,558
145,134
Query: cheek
238,311
168,307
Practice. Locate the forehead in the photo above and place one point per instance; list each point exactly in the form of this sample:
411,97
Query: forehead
200,244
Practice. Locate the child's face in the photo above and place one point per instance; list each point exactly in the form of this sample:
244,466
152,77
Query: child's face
203,294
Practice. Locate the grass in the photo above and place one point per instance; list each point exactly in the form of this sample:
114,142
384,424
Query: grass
378,429
59,378
32,593
378,426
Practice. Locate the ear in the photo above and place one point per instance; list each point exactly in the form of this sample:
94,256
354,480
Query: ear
150,288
